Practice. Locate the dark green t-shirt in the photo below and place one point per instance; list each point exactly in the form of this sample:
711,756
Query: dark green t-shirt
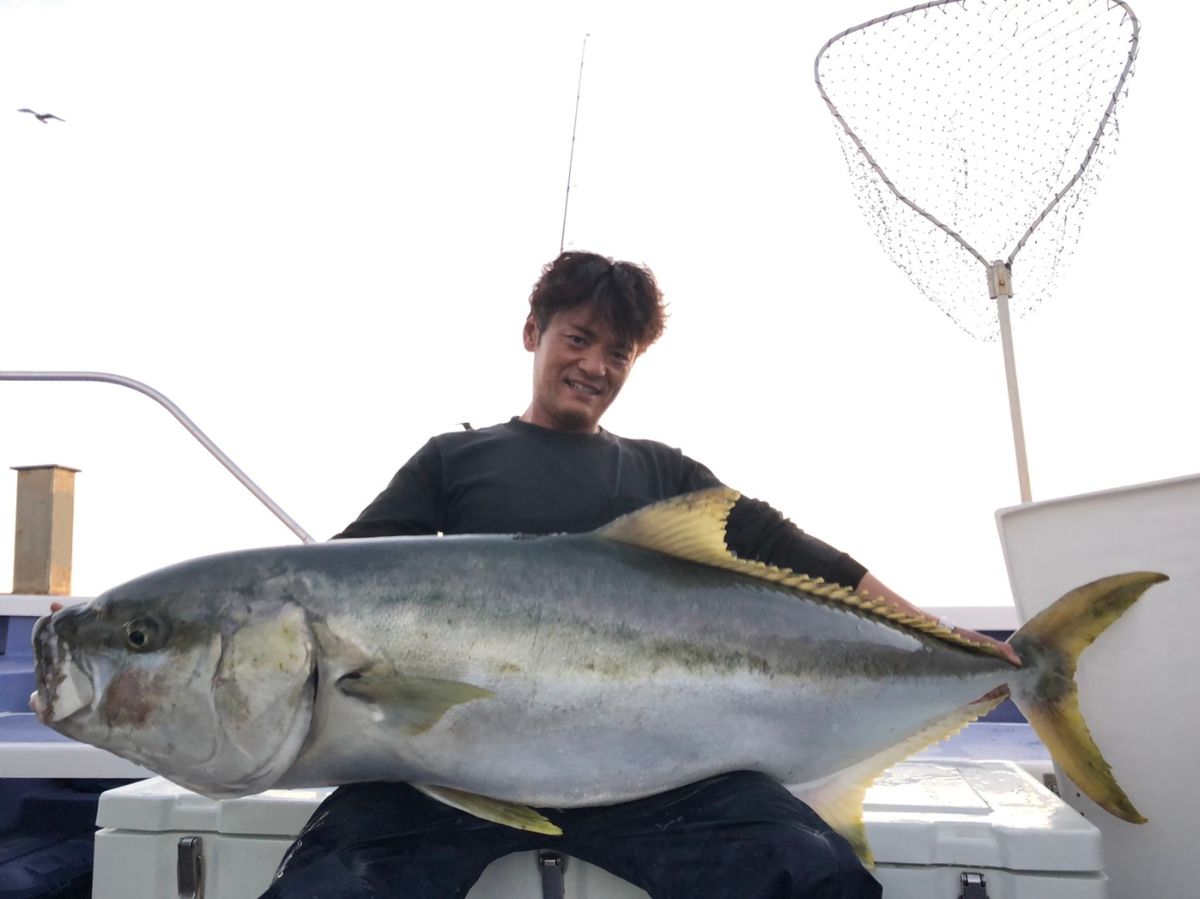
516,478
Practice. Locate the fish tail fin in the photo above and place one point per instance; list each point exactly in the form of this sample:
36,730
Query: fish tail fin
1051,644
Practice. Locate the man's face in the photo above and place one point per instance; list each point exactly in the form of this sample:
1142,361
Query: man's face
579,367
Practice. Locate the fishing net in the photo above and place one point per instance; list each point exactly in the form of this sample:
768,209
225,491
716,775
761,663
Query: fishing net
976,131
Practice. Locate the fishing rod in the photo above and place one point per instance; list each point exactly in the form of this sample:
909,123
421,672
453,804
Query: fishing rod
562,239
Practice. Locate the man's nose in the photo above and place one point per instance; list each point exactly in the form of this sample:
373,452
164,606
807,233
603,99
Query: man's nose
592,362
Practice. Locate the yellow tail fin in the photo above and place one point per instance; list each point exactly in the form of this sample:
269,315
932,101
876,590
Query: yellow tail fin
1051,644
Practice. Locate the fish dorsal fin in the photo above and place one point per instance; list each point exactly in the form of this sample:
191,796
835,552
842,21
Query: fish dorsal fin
497,810
838,799
692,527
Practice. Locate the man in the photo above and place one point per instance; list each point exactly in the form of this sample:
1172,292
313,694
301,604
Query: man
554,469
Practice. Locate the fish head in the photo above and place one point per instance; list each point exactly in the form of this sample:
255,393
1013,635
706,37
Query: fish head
214,695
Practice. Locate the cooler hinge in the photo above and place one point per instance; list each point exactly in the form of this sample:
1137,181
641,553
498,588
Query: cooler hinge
974,885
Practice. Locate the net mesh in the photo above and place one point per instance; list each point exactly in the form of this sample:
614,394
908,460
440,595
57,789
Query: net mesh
977,130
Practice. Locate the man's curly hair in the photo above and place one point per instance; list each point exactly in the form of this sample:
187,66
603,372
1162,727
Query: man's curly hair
625,295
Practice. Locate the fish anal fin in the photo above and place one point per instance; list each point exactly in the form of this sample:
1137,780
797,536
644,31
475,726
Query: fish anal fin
838,799
415,703
839,803
497,811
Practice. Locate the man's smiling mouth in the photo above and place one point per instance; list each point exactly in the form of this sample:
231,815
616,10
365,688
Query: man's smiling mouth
581,387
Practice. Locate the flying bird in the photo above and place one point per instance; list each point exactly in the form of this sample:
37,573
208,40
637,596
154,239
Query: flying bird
42,116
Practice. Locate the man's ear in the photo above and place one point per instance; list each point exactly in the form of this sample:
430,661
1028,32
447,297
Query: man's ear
531,333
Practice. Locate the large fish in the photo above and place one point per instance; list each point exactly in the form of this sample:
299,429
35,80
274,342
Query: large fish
498,673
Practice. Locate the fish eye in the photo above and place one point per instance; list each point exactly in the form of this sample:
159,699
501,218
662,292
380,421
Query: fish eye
143,634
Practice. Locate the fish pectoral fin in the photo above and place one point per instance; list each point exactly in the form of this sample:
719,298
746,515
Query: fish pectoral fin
839,798
414,703
497,811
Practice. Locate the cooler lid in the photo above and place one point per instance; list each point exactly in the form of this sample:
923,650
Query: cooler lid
978,814
157,805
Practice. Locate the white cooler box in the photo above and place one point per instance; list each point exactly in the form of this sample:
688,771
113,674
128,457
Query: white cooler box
940,830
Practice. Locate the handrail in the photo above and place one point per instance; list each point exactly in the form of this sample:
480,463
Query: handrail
195,431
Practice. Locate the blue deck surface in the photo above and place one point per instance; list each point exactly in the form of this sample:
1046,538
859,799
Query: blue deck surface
983,740
17,723
16,665
23,727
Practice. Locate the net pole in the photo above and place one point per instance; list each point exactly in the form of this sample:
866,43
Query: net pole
1000,288
1014,400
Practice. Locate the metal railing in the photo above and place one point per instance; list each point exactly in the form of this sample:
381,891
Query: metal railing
201,437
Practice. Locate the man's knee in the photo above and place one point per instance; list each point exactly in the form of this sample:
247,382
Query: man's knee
782,845
390,840
816,865
751,860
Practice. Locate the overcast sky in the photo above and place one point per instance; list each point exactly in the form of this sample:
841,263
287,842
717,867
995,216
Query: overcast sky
314,226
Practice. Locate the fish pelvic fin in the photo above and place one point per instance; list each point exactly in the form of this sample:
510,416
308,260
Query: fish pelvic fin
839,798
692,527
495,810
1051,643
415,703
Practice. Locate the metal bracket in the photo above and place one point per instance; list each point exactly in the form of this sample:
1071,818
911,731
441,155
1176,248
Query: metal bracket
552,866
999,280
974,885
189,868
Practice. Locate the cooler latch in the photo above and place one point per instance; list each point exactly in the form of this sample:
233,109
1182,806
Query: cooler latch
189,868
974,885
552,866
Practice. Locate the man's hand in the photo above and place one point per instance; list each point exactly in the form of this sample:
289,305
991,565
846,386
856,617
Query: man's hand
1005,651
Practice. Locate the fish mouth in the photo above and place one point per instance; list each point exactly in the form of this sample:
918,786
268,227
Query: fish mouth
64,683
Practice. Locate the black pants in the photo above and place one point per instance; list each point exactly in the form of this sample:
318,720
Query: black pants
737,836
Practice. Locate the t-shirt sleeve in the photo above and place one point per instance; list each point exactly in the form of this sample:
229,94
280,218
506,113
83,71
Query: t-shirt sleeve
411,503
757,531
695,476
